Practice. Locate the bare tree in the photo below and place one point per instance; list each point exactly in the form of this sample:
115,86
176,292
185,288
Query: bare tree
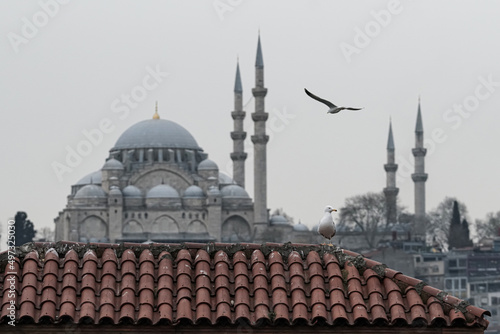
366,213
439,218
45,234
490,226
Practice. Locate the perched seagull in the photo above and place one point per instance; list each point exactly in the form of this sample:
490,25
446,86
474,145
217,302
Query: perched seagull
326,225
333,108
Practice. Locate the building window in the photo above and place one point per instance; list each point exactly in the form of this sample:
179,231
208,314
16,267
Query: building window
494,300
448,284
462,263
183,215
139,215
452,263
146,215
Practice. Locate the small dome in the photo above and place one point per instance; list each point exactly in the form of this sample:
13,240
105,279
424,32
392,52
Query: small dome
300,227
213,190
207,164
234,191
194,191
115,191
225,179
90,191
112,164
162,191
94,178
279,220
132,191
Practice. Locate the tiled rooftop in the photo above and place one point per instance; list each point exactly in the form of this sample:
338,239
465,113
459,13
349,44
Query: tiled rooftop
209,284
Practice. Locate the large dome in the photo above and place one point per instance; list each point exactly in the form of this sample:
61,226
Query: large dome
156,133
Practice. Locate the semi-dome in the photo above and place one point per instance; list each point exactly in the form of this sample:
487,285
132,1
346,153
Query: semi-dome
90,191
162,191
156,133
300,227
194,191
95,178
225,179
113,164
132,191
279,220
234,191
207,164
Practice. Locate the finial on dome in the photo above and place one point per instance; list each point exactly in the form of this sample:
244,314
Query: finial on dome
156,116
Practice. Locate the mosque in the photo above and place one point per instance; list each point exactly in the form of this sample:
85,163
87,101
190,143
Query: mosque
158,185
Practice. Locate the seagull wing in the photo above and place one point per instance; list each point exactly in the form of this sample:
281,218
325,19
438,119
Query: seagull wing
328,103
353,108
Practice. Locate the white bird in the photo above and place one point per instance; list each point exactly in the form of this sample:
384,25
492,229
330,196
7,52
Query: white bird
333,108
326,225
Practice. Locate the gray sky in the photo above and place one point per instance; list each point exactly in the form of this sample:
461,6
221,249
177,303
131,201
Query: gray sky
65,68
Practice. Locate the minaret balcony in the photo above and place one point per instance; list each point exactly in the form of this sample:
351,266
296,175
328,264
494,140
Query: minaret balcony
419,152
238,135
259,91
419,177
260,139
391,167
391,191
238,115
260,117
239,156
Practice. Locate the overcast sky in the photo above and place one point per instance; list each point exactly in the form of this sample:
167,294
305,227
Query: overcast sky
66,66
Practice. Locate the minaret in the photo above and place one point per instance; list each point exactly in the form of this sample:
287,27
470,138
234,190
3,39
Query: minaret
238,135
391,191
259,140
419,178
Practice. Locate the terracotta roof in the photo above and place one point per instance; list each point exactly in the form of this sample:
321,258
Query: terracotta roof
208,284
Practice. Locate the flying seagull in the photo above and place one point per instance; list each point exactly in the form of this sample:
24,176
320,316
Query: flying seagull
333,108
326,225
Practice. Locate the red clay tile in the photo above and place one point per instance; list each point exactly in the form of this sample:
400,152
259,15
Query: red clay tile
356,299
128,267
106,312
337,297
317,282
278,282
50,280
330,258
281,311
48,310
333,269
297,282
107,297
67,310
203,312
296,269
398,314
127,312
261,297
183,281
339,312
184,309
315,269
395,298
241,296
335,283
242,311
87,311
146,282
313,257
275,258
27,310
376,299
378,313
29,279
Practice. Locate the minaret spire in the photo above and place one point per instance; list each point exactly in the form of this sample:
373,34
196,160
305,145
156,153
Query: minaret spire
238,135
419,178
259,140
391,191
